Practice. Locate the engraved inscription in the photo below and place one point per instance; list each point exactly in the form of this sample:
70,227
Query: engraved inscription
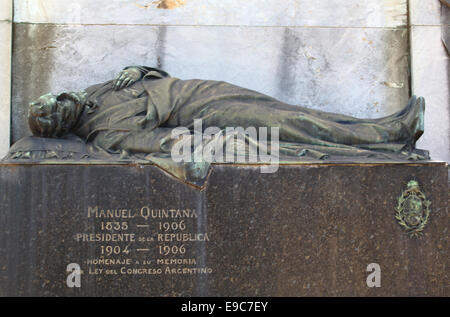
143,241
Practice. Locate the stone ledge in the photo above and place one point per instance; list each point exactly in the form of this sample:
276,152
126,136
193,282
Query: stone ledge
307,230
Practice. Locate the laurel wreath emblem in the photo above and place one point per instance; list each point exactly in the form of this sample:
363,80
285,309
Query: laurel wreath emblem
404,212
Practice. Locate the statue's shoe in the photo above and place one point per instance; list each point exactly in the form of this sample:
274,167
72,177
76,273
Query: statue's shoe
399,114
409,122
414,119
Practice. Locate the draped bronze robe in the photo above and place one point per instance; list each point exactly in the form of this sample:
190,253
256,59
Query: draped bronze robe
112,120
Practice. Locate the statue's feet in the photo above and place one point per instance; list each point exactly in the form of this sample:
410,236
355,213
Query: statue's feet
408,122
400,115
414,119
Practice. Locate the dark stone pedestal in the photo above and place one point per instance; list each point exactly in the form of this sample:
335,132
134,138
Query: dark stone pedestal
307,230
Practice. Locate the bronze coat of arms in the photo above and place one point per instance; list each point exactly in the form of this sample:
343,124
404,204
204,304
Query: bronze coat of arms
413,209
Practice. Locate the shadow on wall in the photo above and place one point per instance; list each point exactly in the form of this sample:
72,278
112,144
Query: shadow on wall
445,20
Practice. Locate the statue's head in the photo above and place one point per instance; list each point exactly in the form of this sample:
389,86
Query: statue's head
53,116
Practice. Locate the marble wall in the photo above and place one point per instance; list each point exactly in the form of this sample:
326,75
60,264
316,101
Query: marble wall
430,64
344,56
5,74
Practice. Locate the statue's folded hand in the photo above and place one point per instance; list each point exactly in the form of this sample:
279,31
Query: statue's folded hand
126,78
149,121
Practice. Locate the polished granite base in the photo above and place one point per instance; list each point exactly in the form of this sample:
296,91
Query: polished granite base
309,229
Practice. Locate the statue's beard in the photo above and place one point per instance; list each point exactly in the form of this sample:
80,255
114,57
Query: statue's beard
64,116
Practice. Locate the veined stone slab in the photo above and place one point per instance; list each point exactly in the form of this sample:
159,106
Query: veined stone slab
307,230
430,79
351,13
352,71
425,12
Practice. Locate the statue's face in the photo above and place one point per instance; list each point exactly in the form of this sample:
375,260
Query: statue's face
44,106
51,115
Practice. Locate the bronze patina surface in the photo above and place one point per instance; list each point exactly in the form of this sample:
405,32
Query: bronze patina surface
413,209
133,117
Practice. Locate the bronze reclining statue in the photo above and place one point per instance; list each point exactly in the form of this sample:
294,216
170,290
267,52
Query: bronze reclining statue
134,116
